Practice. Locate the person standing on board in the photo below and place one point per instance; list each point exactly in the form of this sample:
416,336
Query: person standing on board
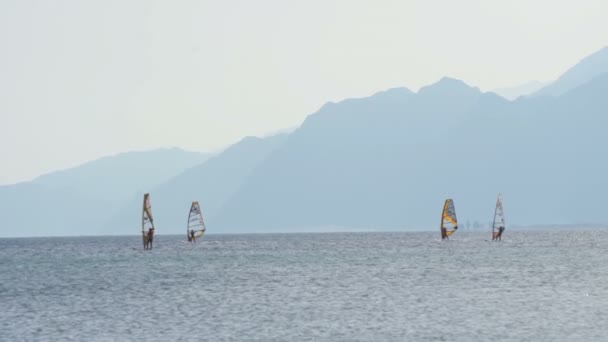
444,233
146,239
500,230
192,237
150,238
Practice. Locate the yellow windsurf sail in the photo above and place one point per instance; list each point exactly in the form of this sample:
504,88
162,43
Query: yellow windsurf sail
449,222
498,225
147,221
196,225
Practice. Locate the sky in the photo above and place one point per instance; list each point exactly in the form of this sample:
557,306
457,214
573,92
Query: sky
84,79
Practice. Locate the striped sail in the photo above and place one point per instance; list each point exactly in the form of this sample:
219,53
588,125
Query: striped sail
449,222
196,223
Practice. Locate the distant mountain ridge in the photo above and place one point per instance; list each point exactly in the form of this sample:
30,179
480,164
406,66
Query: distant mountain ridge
79,200
583,72
512,93
332,169
384,162
116,178
388,162
210,183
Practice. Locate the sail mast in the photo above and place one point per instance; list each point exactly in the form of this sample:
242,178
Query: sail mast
445,204
495,212
146,218
143,213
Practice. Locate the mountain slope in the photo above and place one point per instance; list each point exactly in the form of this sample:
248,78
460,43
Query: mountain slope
210,183
583,72
383,162
388,162
36,210
78,200
116,178
348,163
512,93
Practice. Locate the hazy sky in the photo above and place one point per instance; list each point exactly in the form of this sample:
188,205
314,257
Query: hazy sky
83,79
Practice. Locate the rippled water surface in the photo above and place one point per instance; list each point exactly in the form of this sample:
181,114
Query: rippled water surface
537,286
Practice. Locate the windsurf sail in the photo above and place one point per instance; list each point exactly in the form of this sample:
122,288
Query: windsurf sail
498,225
196,223
449,223
147,221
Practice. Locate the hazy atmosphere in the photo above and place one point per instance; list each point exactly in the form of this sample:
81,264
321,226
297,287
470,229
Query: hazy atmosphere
303,170
82,80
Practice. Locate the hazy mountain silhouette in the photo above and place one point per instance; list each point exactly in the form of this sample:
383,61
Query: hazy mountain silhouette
73,201
351,163
390,160
512,93
387,161
36,210
583,72
117,178
210,183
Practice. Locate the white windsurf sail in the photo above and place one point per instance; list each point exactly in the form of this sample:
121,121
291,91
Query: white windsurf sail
196,224
498,225
147,221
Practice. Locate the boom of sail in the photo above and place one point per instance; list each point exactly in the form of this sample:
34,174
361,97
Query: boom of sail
147,221
498,225
449,222
196,223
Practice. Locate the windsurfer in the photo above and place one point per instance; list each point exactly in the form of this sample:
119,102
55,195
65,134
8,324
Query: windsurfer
500,230
150,238
192,236
444,233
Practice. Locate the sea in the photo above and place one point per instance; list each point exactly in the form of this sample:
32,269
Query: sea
400,286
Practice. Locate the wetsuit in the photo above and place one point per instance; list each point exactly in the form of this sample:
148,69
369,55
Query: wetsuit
150,237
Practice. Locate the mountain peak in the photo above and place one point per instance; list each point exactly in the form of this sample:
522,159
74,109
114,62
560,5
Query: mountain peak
397,92
448,85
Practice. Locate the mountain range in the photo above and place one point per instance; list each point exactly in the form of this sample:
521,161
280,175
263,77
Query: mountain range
384,162
397,155
79,200
512,93
581,73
